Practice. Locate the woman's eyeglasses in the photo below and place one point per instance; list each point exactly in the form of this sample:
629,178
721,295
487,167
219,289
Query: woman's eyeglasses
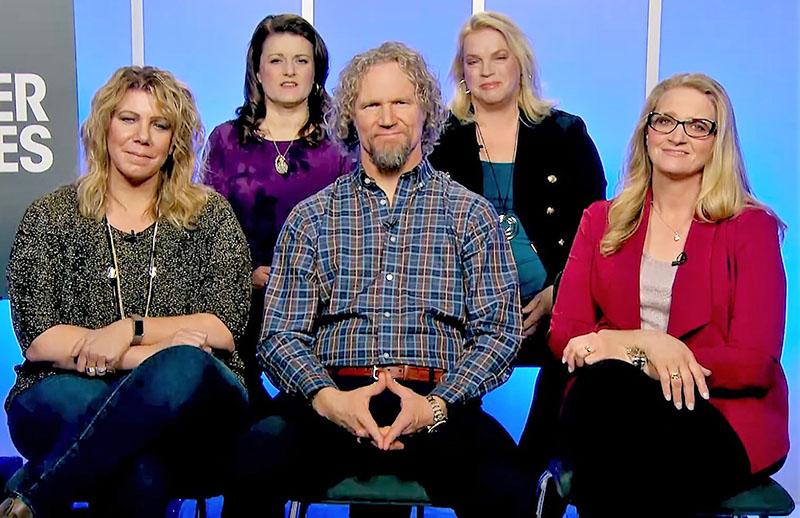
665,124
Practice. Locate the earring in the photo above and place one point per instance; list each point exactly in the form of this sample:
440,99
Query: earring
464,84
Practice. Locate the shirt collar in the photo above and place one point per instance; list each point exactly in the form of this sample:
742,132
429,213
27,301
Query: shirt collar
419,175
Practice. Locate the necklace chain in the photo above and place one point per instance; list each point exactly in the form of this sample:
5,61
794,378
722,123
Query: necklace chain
508,223
281,163
115,273
676,236
503,198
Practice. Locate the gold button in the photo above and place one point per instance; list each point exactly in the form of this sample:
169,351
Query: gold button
552,178
560,242
550,210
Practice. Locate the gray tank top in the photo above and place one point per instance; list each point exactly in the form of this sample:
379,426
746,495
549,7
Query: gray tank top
655,292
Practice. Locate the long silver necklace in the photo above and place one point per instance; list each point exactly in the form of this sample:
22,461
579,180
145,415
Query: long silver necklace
281,163
115,274
676,236
508,222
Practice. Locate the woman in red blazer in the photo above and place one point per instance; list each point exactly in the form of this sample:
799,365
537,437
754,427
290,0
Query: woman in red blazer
671,315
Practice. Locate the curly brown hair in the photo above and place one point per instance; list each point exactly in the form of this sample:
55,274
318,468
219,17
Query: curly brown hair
339,117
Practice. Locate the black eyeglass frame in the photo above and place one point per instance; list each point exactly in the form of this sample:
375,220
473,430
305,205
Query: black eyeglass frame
712,131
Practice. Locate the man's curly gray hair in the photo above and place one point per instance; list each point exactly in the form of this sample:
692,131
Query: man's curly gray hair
339,117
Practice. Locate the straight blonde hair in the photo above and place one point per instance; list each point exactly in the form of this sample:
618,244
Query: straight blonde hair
724,191
530,100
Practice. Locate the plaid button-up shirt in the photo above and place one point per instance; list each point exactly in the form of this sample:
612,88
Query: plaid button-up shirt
428,280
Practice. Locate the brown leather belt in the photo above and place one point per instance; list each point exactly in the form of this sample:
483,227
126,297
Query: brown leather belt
398,372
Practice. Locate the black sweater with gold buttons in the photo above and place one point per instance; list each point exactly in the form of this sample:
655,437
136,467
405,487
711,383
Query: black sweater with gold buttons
557,174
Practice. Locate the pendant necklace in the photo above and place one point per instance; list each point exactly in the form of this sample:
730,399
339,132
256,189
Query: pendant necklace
115,274
676,236
508,222
281,163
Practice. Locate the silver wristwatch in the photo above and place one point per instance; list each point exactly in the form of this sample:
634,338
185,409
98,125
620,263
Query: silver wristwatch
439,417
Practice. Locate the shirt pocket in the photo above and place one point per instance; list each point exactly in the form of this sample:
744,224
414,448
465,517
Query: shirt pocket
434,288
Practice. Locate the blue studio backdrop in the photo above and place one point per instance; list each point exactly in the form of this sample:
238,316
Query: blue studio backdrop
595,60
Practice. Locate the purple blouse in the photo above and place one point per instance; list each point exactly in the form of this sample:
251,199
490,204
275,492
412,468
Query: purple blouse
261,198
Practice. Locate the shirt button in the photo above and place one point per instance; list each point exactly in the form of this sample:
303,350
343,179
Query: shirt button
383,202
393,239
550,210
552,178
387,314
389,277
367,181
386,355
560,242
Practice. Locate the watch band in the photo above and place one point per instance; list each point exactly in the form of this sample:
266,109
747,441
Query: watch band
439,417
138,329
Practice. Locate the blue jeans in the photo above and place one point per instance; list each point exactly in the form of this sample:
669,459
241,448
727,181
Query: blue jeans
131,442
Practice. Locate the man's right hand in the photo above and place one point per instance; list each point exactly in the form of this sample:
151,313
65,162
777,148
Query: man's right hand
350,408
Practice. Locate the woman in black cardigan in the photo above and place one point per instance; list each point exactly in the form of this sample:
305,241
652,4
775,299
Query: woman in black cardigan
539,168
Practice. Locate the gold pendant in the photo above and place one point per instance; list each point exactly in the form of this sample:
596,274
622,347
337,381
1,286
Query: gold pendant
281,166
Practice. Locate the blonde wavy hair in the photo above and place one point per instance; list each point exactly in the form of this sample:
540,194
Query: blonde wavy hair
179,201
340,115
530,99
724,191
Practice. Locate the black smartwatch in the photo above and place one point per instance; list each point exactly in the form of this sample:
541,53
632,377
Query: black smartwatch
138,329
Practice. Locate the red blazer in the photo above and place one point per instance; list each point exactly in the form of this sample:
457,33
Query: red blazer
728,307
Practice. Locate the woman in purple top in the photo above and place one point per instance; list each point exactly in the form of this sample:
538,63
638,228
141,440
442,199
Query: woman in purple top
275,153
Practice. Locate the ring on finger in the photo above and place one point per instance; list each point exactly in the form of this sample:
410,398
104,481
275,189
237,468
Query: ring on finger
588,349
101,371
675,376
90,371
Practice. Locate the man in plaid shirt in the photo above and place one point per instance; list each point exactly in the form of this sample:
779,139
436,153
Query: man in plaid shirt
392,307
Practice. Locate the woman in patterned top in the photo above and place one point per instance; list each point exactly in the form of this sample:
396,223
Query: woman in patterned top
129,292
275,153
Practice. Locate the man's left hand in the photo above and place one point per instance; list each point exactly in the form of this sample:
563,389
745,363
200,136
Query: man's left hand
415,414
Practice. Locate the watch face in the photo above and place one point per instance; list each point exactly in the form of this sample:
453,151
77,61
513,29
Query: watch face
138,329
436,424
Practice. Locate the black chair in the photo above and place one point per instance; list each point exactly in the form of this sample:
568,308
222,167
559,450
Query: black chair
767,498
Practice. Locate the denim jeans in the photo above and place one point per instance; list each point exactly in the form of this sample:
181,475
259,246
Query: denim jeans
129,442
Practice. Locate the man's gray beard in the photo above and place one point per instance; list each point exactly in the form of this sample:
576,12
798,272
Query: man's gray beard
390,160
